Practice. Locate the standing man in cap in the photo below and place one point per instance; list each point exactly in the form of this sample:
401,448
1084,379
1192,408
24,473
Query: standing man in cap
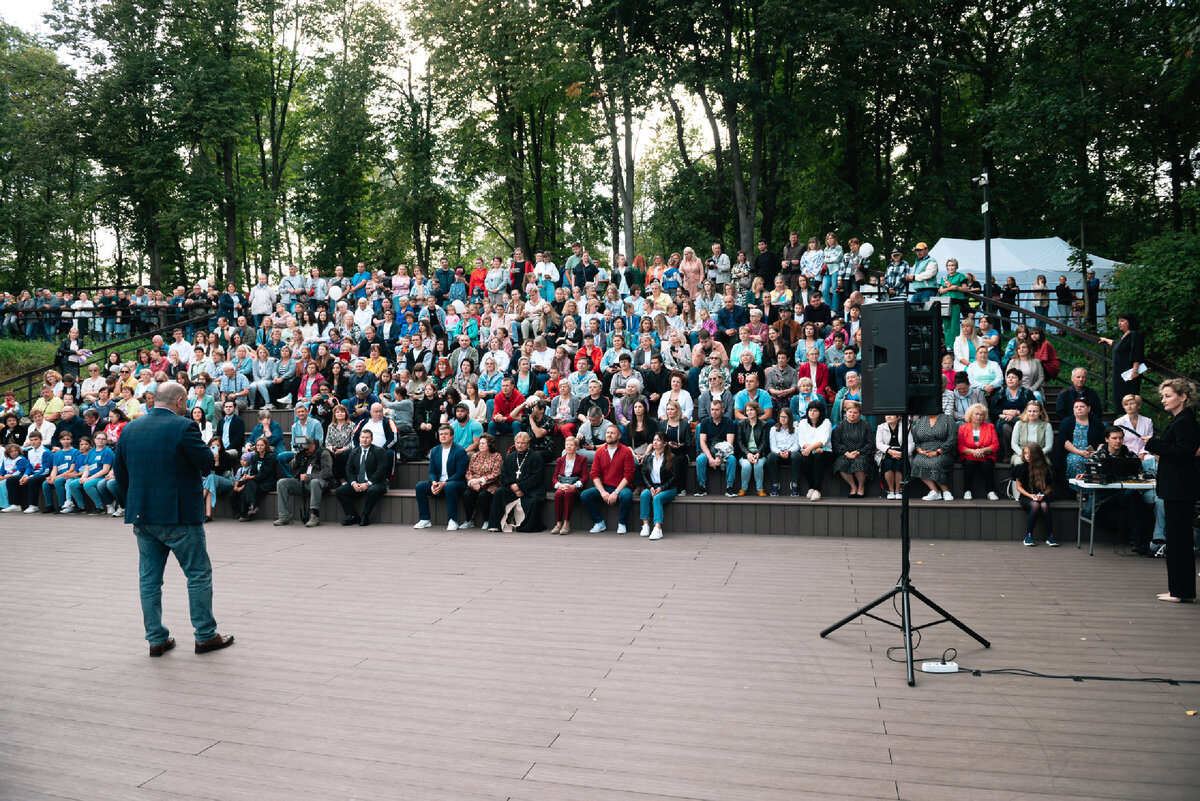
922,279
312,470
895,280
164,503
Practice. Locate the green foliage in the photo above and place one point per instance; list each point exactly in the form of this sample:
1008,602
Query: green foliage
213,137
1159,286
17,356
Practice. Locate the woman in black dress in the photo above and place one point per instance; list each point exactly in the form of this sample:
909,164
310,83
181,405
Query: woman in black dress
1128,354
854,449
1178,479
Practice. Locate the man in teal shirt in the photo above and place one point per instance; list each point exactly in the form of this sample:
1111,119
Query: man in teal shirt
922,280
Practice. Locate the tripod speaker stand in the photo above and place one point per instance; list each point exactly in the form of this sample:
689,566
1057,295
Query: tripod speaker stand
903,380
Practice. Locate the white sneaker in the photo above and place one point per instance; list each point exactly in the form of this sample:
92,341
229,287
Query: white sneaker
657,533
933,495
967,495
11,508
110,507
893,496
645,530
621,528
466,525
451,525
68,507
816,496
947,496
809,494
598,527
29,510
993,496
119,511
422,524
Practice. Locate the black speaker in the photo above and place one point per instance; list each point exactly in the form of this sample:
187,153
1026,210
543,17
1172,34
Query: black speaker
902,354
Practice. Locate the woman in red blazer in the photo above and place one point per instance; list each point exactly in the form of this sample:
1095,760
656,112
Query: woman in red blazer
817,370
978,445
570,477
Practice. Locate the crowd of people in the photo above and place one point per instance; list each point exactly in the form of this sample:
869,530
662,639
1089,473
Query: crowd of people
612,381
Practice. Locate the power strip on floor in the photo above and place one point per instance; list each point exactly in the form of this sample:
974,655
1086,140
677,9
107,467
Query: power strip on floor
939,667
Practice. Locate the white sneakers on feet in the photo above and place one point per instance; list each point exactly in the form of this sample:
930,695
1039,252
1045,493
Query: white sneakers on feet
947,496
466,525
967,495
110,507
816,495
31,510
809,494
621,528
993,496
11,508
598,527
68,507
645,530
657,533
933,495
451,525
119,511
422,524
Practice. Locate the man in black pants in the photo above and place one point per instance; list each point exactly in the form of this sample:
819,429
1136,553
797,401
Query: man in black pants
367,472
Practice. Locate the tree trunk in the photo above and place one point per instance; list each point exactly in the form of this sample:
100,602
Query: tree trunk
227,151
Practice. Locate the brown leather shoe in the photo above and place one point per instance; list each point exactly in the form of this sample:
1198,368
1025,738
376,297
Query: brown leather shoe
162,647
215,644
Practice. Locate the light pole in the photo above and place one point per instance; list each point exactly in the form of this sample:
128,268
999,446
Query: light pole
982,180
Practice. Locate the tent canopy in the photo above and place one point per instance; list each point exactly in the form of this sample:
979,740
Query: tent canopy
1023,259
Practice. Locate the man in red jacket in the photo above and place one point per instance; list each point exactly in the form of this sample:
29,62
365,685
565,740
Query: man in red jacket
612,475
506,417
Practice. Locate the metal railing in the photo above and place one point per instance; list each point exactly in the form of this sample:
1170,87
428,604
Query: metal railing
27,386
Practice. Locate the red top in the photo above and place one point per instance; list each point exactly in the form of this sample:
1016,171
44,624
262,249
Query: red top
579,470
612,470
478,276
987,439
503,404
820,380
1049,359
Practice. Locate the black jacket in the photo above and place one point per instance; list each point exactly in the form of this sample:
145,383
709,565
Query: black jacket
762,437
1176,451
265,470
379,465
666,473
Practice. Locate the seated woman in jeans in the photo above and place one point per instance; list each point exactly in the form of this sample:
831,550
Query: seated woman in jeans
658,476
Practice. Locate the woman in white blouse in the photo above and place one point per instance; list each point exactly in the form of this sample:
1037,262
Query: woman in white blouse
813,434
785,450
678,394
1144,426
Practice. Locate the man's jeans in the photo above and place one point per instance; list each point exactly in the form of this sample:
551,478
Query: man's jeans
452,491
595,505
702,470
155,543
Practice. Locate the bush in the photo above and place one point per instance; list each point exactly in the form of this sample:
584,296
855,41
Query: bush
1159,285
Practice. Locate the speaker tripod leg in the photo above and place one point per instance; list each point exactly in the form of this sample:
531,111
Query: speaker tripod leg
949,617
864,610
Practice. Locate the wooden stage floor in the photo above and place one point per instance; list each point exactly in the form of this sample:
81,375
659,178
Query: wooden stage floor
388,663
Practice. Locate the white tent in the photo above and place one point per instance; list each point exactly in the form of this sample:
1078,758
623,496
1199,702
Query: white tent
1023,259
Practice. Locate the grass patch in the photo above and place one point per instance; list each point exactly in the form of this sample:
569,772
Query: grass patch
17,357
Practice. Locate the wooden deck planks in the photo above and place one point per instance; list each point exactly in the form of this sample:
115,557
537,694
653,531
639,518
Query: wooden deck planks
386,663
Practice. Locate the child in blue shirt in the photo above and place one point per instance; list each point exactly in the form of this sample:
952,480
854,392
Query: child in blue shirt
671,280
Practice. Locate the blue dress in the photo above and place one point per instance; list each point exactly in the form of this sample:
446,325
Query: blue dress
1079,438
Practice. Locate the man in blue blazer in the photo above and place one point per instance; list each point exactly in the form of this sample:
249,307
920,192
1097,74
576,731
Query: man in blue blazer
447,476
159,463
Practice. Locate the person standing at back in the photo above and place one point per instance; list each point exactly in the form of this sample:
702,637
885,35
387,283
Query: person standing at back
159,463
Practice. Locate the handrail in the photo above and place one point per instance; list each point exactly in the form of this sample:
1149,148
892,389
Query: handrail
28,380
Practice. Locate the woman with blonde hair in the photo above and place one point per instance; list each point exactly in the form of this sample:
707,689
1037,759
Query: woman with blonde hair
978,445
1178,481
1033,426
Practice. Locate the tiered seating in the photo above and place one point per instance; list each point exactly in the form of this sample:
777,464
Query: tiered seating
833,516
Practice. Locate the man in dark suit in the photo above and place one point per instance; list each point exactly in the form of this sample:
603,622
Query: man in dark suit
447,477
367,472
159,463
232,432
